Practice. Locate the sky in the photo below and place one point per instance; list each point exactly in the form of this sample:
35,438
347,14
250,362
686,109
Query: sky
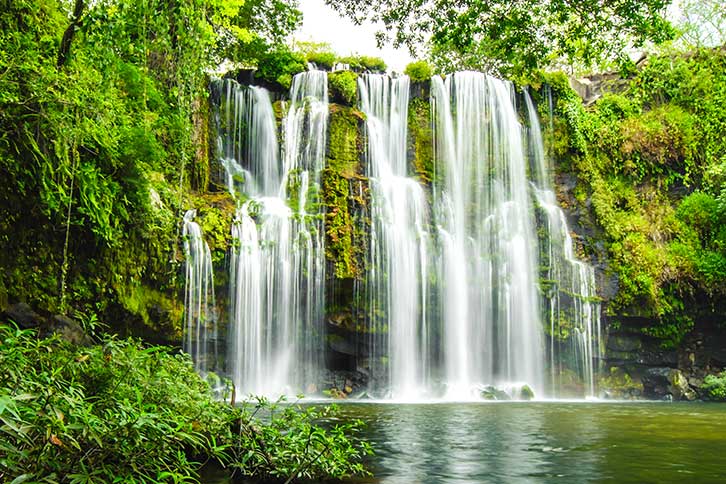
322,24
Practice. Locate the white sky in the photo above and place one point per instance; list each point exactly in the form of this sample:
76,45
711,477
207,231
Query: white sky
323,24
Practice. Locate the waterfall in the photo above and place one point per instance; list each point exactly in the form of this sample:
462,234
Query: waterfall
200,321
471,281
277,265
571,297
399,257
490,314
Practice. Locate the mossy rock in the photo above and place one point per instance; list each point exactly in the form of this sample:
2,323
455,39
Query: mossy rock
421,143
344,189
215,214
343,87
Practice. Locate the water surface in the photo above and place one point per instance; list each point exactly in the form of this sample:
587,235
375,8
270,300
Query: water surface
544,442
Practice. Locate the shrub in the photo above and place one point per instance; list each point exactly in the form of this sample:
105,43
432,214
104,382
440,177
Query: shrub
418,71
120,411
373,64
279,66
714,387
700,211
322,60
343,87
360,63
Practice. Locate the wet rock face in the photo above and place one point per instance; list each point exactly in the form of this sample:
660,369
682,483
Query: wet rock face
679,387
624,343
676,374
631,350
656,382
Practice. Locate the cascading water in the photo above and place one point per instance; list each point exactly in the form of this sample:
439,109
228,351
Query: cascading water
200,328
399,257
490,313
570,298
465,280
277,267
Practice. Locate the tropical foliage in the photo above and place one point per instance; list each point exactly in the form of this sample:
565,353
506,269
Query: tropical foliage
103,133
122,412
652,167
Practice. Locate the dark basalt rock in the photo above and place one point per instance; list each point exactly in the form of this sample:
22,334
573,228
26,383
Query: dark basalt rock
420,89
655,382
26,318
23,315
624,342
68,329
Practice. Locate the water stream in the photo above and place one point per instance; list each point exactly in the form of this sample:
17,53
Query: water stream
399,257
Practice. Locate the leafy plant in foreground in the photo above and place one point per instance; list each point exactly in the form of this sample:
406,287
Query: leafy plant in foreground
121,412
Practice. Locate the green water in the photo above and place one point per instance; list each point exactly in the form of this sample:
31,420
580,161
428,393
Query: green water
543,442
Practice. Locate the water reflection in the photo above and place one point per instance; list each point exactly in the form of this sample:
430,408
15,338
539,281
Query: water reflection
544,442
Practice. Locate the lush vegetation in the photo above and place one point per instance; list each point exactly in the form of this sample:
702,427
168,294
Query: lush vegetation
714,387
652,167
122,412
103,138
343,87
514,37
418,71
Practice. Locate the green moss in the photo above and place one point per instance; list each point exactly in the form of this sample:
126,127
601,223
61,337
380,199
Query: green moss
200,175
421,139
620,384
345,145
343,87
340,181
215,213
636,155
152,313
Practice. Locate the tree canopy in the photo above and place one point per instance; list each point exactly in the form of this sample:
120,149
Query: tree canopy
515,36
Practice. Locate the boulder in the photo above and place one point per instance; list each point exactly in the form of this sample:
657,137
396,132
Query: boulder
68,329
493,393
526,393
656,382
679,387
23,315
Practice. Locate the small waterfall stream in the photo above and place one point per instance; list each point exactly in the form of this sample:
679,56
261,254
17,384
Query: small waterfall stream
200,317
571,296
